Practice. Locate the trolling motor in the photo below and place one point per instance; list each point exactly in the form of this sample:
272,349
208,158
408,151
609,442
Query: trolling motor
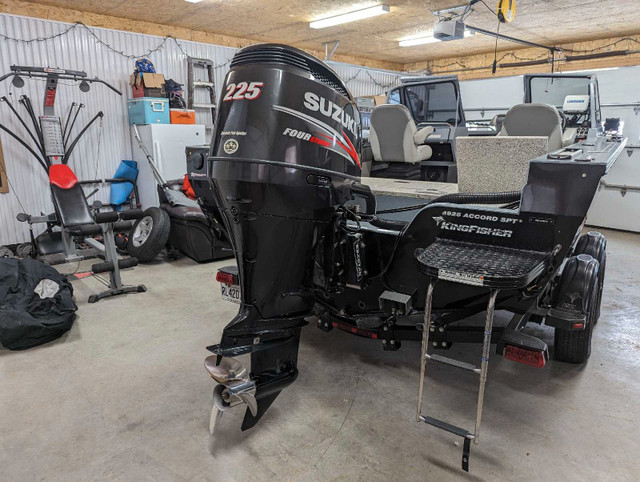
284,156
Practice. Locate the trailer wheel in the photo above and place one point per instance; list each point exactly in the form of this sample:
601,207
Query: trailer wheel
574,346
149,234
601,270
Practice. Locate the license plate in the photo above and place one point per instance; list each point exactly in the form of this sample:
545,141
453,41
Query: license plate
230,292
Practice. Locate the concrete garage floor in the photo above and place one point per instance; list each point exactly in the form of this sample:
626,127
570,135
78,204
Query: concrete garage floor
125,396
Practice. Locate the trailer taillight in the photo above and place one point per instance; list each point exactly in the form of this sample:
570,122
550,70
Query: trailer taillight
356,331
534,358
227,278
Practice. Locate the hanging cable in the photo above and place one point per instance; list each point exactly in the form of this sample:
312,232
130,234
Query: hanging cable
15,193
495,51
100,126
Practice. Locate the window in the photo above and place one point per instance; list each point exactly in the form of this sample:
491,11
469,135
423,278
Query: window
436,102
394,97
552,91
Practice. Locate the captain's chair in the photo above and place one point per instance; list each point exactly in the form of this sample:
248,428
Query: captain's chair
534,120
394,136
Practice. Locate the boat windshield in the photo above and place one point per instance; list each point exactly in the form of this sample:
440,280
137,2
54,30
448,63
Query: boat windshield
553,90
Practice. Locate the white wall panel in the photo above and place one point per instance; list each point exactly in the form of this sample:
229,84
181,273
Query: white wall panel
78,50
484,98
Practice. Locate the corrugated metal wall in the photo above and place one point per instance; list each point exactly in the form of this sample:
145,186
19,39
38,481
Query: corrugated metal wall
100,151
361,81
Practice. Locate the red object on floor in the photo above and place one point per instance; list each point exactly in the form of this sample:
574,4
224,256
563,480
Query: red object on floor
62,176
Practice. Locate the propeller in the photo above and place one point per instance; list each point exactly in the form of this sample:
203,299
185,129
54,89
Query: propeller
234,387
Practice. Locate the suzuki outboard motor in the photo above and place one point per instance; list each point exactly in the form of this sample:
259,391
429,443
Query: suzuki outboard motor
284,157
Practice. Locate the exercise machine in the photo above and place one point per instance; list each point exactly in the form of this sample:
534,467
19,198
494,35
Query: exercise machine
75,221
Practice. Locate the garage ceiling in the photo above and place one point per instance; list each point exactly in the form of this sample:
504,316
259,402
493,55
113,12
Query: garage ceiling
287,21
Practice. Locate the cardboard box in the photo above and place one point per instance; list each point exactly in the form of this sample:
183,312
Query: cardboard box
147,85
379,99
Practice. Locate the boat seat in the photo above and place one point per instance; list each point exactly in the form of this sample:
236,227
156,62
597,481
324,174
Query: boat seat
394,137
534,120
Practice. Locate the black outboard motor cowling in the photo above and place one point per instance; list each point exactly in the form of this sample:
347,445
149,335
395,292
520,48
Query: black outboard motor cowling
284,156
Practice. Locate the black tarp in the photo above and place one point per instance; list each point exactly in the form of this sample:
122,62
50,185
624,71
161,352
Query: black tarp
26,320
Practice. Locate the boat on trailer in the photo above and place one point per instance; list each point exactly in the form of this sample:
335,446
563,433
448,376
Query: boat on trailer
284,171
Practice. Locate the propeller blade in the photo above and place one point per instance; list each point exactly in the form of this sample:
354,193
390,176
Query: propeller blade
216,415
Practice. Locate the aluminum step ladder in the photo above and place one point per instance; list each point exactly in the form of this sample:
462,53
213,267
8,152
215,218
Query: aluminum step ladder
194,65
492,267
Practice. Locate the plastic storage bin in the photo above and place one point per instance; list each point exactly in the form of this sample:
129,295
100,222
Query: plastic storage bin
182,116
148,110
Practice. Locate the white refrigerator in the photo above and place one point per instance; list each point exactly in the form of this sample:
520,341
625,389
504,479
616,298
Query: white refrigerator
166,143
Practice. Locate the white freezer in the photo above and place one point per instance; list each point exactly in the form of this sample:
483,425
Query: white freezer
167,144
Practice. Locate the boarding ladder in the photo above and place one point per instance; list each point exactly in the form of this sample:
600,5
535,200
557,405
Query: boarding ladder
491,267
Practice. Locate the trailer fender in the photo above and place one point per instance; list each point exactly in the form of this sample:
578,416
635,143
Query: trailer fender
572,296
594,244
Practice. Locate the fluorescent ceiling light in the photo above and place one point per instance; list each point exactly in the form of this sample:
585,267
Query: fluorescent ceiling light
417,41
410,42
350,16
193,1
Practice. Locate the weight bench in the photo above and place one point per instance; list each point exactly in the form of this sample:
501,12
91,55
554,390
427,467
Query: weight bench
73,215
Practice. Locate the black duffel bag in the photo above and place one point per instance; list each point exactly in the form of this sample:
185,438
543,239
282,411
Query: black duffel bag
36,304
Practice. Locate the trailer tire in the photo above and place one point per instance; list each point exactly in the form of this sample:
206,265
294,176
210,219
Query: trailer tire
574,346
149,234
601,270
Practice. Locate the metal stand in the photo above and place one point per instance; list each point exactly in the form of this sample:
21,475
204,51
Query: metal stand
482,371
113,265
70,252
